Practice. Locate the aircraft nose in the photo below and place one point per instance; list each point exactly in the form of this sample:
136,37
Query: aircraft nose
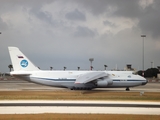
144,83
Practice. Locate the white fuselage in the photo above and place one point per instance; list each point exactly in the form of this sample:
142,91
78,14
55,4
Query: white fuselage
67,78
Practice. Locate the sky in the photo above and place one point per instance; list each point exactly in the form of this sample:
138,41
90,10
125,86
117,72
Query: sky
58,33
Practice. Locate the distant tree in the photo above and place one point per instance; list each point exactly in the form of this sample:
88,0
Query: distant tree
78,68
140,72
51,68
10,67
151,72
65,68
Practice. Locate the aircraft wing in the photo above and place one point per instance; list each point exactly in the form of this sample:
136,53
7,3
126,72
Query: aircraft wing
90,76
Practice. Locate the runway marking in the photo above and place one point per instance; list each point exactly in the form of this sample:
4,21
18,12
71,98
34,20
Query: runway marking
80,110
82,107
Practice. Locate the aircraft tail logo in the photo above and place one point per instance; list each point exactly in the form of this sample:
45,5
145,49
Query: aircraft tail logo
24,63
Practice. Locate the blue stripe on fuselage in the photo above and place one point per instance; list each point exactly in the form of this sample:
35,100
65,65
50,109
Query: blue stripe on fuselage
131,80
60,80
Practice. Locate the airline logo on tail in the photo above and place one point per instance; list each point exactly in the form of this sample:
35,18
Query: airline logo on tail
24,63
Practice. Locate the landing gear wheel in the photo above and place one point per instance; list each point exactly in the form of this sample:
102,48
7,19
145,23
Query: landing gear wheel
127,89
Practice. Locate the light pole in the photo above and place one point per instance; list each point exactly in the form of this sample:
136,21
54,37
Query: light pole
91,60
151,64
143,36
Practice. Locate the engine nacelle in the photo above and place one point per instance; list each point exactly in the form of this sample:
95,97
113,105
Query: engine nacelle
110,81
104,83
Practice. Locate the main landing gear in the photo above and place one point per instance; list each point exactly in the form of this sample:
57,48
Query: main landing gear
80,88
127,89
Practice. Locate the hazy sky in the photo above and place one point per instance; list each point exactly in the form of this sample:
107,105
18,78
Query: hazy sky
67,33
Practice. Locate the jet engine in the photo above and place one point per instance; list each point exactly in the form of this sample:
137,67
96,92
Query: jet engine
104,83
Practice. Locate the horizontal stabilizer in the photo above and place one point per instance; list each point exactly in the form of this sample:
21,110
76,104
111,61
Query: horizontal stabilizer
90,76
19,73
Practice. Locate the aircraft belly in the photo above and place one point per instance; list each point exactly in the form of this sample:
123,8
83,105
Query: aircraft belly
53,82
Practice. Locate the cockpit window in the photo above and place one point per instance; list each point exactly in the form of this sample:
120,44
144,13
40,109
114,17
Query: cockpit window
135,73
113,74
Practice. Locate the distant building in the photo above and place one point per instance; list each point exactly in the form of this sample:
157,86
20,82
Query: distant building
158,68
129,67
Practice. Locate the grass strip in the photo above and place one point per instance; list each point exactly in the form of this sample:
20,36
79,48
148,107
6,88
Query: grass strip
78,95
77,117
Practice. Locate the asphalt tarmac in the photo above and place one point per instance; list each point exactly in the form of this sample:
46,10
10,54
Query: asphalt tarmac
81,105
18,85
74,107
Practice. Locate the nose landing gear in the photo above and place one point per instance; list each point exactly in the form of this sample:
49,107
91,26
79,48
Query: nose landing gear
127,89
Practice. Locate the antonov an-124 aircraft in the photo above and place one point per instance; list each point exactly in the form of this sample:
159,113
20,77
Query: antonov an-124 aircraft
74,80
